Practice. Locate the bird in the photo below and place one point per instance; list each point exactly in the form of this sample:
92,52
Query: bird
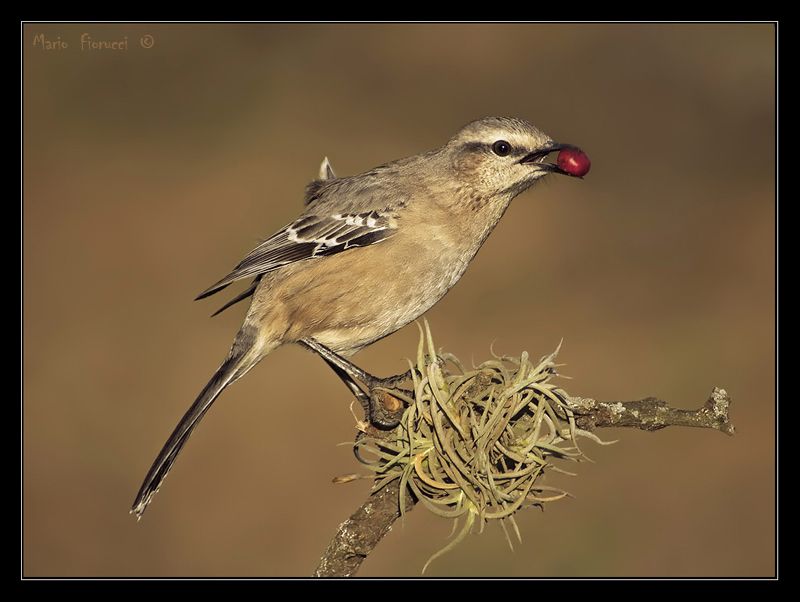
369,254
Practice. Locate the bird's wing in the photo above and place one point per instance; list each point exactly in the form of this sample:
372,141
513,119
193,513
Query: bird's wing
248,292
326,174
311,236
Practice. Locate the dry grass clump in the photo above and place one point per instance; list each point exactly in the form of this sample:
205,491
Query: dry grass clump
475,443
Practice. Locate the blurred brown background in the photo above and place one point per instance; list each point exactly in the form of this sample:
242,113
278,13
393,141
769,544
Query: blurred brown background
148,173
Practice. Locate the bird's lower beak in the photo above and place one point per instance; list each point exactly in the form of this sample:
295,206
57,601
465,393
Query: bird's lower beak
538,158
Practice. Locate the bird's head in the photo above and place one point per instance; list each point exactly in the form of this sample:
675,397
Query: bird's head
501,156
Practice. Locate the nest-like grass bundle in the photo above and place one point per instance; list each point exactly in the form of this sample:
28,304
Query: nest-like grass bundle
475,443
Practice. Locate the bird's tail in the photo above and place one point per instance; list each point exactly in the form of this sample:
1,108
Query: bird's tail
243,356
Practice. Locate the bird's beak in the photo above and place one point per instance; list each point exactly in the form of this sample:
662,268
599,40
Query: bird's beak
538,157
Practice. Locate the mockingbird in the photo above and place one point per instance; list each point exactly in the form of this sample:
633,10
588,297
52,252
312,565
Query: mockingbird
369,254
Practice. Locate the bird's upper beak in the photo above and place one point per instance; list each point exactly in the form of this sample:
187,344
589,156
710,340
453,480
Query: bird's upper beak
538,157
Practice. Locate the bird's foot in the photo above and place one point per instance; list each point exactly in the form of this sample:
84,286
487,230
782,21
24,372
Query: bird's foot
384,407
387,401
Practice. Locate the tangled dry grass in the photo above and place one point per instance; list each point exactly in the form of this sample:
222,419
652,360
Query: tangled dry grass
475,443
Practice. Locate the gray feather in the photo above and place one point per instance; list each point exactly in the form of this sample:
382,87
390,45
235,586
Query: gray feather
331,224
326,170
248,292
239,361
311,236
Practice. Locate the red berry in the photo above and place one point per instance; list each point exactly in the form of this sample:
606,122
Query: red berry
574,161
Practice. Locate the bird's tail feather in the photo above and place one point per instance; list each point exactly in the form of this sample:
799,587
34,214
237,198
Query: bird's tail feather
239,361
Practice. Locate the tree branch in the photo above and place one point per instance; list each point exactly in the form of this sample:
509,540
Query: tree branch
359,534
651,414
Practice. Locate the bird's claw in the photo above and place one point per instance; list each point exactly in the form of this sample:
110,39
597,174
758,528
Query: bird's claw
385,410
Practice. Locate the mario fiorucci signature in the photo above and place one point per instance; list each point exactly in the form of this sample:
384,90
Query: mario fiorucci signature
88,43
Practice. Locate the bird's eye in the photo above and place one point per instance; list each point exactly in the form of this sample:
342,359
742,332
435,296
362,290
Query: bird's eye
501,148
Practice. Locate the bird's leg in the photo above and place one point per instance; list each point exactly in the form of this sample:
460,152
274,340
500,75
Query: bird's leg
381,407
362,397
